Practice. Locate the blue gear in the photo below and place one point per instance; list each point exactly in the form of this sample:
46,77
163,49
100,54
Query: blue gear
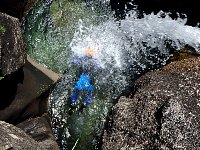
82,84
88,98
74,97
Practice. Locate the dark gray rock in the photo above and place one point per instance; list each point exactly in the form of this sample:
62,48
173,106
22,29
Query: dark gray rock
17,8
161,113
31,95
12,50
12,137
40,130
13,8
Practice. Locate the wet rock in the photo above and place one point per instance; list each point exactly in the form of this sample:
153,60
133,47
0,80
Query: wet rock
183,54
12,50
29,5
161,113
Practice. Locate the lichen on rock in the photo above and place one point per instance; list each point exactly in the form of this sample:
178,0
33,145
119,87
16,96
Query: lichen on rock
12,50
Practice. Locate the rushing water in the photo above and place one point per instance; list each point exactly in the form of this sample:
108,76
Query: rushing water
124,49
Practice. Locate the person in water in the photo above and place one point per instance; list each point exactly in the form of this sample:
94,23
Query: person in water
86,64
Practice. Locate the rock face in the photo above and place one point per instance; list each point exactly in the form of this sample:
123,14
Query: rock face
30,98
12,50
40,130
14,8
12,137
162,112
25,86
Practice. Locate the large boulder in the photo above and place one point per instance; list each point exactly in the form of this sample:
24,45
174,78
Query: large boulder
161,113
12,137
28,106
30,96
39,129
24,85
12,50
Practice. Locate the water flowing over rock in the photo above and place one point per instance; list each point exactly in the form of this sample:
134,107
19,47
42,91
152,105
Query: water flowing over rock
161,113
12,50
176,8
24,85
124,49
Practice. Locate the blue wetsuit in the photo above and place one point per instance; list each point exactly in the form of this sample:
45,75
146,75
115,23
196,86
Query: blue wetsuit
84,82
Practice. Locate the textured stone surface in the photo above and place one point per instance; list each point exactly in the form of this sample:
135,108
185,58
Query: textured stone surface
12,50
31,94
12,137
162,112
40,130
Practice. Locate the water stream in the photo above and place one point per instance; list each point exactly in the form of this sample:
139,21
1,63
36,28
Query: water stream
56,31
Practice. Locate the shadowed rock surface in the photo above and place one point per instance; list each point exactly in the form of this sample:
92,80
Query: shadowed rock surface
40,130
14,8
29,106
12,50
25,86
161,113
32,93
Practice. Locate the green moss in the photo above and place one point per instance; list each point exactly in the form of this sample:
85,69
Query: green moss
1,78
182,54
2,29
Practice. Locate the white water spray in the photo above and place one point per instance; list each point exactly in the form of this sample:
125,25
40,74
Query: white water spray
123,49
113,40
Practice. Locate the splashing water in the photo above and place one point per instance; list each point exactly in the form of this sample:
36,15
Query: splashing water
124,49
110,39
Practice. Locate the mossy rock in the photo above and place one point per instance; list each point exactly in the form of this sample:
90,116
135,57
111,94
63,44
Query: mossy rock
183,54
2,29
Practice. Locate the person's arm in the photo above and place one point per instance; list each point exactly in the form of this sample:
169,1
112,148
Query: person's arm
77,65
76,60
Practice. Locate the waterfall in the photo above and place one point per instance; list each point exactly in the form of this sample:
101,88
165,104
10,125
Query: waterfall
124,49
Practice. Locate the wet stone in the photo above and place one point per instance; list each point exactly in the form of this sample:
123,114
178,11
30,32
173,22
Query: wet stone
161,113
